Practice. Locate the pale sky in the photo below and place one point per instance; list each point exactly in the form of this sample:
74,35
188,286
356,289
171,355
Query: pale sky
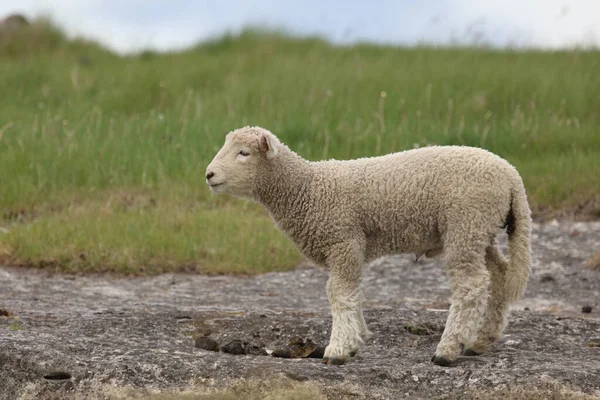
131,25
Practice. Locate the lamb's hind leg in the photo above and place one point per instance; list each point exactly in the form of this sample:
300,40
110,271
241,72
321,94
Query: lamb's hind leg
495,317
343,288
470,282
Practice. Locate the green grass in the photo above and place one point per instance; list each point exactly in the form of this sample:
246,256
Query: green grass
102,157
128,233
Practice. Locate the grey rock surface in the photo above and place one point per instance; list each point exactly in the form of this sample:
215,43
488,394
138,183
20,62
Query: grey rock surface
84,336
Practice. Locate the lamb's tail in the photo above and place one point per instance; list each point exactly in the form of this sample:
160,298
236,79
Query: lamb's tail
518,228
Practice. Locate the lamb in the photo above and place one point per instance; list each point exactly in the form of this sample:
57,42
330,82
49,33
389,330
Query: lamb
449,200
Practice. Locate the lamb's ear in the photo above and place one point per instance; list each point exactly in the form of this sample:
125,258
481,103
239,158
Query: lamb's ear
268,144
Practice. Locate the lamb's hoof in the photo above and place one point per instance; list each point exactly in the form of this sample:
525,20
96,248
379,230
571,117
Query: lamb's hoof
334,361
338,355
441,361
470,353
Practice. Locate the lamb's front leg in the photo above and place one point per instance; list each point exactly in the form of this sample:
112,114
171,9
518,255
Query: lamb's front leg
365,333
343,288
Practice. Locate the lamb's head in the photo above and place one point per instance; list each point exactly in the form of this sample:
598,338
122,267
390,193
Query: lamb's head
245,154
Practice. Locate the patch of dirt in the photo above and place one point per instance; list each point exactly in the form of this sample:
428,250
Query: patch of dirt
82,335
594,261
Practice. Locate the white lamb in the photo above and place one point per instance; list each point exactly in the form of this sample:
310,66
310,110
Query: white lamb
448,200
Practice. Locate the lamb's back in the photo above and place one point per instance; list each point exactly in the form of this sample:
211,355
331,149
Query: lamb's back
414,187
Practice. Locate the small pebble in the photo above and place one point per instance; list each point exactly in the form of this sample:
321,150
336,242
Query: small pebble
207,343
586,309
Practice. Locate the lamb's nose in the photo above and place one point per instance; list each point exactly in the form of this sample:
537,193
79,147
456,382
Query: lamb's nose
210,175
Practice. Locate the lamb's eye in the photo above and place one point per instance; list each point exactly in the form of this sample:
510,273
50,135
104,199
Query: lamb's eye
244,153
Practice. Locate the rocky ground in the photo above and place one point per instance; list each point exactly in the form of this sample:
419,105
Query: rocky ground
87,336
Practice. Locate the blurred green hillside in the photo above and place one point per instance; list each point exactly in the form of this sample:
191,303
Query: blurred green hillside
102,157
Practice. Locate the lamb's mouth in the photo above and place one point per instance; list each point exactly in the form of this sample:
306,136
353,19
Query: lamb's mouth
214,185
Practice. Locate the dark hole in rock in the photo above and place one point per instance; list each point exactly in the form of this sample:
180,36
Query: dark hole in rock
57,375
183,317
547,278
207,343
318,352
5,313
234,347
298,348
282,353
586,309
